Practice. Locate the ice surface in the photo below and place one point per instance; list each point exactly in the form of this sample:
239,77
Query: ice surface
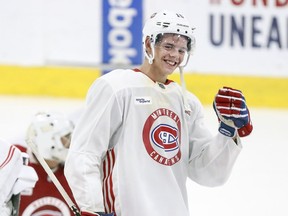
258,185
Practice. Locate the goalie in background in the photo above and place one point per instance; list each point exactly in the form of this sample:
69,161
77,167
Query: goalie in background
51,133
15,177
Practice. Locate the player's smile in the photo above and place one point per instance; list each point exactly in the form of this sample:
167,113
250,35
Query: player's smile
171,63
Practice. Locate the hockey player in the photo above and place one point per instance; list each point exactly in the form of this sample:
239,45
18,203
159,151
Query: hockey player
141,135
15,177
51,133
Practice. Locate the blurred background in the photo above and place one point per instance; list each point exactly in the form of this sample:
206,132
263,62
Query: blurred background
51,52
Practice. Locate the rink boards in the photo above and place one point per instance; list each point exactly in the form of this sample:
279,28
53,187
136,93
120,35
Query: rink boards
75,81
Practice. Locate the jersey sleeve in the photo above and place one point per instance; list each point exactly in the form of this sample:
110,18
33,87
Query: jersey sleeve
90,142
15,177
10,166
211,158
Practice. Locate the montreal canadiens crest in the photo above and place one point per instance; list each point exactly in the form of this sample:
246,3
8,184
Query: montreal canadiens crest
161,136
47,206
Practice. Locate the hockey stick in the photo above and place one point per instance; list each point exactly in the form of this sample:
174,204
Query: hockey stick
58,185
15,203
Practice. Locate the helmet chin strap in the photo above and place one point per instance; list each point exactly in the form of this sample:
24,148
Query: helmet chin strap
183,85
151,56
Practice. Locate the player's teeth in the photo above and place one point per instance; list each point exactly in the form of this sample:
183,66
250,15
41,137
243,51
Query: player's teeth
170,62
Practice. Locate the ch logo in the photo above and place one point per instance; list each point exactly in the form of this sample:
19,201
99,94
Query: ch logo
163,140
165,137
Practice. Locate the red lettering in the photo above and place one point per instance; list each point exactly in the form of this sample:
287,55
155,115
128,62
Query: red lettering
237,2
264,2
281,3
278,3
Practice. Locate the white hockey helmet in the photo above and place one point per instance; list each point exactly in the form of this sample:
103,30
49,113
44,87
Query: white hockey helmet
166,22
51,133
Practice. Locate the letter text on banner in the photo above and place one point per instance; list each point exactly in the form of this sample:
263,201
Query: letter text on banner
122,32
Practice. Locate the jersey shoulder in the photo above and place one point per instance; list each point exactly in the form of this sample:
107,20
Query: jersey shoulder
125,78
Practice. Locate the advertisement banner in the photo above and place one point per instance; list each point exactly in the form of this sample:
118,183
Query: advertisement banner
122,32
243,37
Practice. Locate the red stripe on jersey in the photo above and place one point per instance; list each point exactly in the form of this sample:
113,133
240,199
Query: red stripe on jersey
9,156
104,182
109,197
111,182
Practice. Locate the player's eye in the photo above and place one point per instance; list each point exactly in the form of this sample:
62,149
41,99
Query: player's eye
168,47
182,51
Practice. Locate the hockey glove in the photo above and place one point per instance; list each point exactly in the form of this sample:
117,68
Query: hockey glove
232,112
96,214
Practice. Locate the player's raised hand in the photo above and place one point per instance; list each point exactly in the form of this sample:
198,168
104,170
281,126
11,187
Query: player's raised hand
233,114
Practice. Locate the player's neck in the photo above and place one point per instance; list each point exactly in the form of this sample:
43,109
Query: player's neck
153,72
52,164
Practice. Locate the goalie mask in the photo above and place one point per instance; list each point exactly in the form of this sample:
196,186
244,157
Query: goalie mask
51,133
171,23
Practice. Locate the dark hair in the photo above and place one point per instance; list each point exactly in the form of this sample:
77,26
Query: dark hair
160,36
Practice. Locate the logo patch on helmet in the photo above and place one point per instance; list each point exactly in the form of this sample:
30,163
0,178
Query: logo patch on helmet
162,141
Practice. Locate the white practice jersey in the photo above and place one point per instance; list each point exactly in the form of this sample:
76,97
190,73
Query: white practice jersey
135,145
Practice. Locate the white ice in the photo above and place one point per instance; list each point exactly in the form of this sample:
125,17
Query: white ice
258,185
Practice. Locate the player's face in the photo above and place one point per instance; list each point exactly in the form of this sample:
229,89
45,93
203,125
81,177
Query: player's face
66,140
170,52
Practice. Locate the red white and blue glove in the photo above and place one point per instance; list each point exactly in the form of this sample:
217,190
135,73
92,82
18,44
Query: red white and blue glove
232,112
96,214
